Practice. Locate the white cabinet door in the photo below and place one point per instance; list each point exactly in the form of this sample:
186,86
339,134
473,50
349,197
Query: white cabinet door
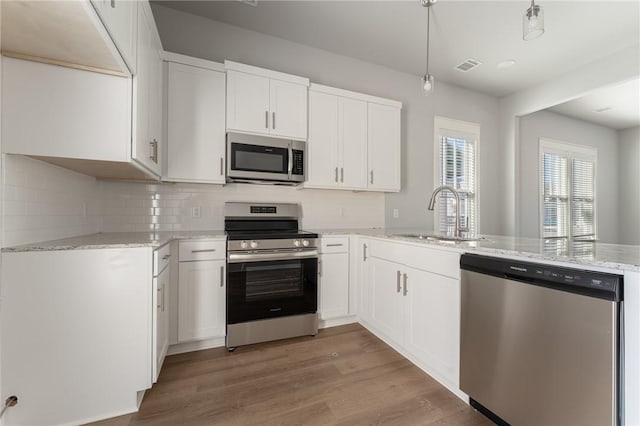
352,137
433,322
333,285
120,18
288,106
196,124
322,148
160,320
201,300
383,147
147,97
387,302
248,103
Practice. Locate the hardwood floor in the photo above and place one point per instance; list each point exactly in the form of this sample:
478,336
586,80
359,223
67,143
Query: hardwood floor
343,376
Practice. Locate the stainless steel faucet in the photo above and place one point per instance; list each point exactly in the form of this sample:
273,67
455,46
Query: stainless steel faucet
432,204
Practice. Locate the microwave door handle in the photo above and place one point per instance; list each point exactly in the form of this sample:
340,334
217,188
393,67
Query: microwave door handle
290,167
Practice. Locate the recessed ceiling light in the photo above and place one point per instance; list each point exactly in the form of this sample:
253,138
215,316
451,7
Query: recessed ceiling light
604,109
506,64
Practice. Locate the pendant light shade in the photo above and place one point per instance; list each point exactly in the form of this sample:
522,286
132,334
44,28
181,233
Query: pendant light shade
428,80
533,22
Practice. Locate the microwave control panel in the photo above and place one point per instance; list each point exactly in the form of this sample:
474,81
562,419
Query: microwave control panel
298,162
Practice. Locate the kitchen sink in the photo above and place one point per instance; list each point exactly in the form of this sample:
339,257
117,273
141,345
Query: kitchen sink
439,237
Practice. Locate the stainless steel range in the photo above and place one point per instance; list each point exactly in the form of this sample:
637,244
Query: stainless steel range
272,287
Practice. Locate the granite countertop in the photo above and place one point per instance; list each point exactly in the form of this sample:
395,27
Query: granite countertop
116,240
614,256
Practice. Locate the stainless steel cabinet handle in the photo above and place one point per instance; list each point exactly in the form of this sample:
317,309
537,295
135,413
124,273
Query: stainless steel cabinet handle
273,120
113,4
203,251
404,283
336,174
334,245
159,298
342,174
319,268
166,256
371,179
398,282
222,276
221,166
266,119
364,252
154,151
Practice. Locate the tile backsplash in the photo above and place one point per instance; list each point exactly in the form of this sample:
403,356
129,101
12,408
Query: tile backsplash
45,202
169,207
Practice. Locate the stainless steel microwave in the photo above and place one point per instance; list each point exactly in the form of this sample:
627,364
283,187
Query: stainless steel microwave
262,159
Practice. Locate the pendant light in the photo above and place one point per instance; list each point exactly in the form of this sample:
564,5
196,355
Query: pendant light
428,80
533,22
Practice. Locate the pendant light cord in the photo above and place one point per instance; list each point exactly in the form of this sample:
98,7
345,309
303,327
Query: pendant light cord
428,31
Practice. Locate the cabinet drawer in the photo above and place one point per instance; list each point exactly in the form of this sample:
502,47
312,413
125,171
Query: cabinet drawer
334,245
202,250
161,258
435,260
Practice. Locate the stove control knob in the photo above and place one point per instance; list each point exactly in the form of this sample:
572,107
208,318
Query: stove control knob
254,244
305,243
244,244
296,243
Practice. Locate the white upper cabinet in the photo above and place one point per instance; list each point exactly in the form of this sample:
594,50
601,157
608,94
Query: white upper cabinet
120,18
195,121
266,102
147,89
383,147
354,141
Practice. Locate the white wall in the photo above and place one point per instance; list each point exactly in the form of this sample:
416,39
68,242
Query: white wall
550,125
45,202
168,207
629,190
204,38
611,70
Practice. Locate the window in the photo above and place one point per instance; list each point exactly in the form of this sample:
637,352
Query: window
456,151
567,185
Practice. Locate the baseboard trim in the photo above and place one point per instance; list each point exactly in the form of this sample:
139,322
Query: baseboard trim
196,345
335,322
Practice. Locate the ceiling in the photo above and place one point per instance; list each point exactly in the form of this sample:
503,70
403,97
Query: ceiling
621,105
393,34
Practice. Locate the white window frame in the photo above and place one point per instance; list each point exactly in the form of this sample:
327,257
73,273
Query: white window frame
450,127
572,151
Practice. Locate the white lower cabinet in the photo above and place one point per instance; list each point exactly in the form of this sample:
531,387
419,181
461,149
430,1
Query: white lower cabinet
201,290
416,310
160,320
333,278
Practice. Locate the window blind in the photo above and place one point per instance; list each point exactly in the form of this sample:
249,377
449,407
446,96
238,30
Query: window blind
568,191
458,170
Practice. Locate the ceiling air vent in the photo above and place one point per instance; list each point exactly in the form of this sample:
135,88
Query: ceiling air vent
468,65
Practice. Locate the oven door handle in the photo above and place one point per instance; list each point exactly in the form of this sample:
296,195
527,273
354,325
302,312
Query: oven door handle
263,257
290,165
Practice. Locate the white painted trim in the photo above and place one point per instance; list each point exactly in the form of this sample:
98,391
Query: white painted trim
458,127
189,60
196,345
354,95
276,75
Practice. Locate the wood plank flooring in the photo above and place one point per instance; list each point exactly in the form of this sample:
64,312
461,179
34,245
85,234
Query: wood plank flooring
343,376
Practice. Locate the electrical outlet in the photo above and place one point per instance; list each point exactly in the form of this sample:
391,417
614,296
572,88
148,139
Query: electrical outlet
196,212
396,213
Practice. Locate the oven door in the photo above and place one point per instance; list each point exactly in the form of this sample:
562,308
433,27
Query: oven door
271,287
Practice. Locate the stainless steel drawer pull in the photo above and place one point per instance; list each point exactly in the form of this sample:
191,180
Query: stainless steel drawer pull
399,287
203,251
273,120
404,281
334,245
222,276
266,119
364,252
336,174
319,268
371,180
221,166
159,298
342,174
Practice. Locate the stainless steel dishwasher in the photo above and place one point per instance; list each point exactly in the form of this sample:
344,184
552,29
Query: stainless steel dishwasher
541,345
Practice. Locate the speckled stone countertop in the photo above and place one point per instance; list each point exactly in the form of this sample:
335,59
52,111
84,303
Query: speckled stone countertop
117,240
613,256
